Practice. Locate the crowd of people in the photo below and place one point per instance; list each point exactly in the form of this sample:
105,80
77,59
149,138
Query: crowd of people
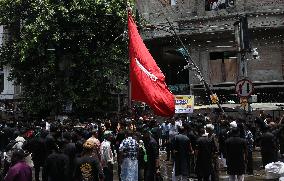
88,150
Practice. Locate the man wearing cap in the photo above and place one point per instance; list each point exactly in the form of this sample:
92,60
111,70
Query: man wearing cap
213,140
19,170
233,125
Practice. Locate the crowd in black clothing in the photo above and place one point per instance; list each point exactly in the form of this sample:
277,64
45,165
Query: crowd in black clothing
81,151
223,142
72,150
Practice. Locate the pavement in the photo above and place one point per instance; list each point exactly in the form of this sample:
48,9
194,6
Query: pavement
167,168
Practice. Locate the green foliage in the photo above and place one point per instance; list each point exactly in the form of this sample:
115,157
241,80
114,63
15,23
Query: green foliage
65,51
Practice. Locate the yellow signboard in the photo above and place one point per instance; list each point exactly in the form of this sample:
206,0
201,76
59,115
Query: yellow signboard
184,104
244,103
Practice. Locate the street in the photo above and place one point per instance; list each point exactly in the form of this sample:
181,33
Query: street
166,170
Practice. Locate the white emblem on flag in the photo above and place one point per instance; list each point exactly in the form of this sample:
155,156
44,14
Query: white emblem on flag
149,74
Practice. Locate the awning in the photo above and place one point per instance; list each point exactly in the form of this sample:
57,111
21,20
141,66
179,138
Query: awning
255,106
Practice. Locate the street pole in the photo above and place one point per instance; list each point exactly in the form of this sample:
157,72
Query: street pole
244,45
242,39
243,65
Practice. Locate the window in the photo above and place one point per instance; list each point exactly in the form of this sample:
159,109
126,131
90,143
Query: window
173,2
168,2
223,67
218,4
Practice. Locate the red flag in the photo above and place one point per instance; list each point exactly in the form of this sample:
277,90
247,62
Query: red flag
147,81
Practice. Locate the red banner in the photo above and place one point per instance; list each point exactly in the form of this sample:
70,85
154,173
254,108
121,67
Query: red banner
147,81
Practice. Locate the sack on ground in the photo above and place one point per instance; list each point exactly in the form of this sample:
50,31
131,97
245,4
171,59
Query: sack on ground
274,170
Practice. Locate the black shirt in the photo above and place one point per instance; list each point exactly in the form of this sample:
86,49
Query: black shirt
267,142
86,169
57,167
152,149
205,149
236,148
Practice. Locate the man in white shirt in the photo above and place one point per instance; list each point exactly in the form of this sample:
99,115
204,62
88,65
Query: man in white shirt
178,123
173,131
107,156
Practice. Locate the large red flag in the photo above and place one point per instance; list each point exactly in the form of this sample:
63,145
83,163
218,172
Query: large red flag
147,81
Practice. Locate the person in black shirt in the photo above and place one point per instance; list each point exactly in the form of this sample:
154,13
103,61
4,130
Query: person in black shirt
280,137
70,151
119,138
86,167
192,135
236,151
223,135
259,121
57,165
214,151
152,149
281,140
37,147
155,131
182,150
268,147
204,150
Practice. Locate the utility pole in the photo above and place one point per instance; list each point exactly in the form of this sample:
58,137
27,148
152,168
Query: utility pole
243,47
243,44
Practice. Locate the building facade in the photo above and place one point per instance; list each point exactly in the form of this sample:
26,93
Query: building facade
7,88
206,27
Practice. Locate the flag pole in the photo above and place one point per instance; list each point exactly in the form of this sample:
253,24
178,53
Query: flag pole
129,9
190,61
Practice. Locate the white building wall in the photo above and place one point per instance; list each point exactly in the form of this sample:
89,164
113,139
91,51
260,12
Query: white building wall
9,88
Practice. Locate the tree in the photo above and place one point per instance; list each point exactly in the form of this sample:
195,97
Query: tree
65,51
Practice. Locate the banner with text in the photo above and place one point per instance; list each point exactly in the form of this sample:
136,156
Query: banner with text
184,104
